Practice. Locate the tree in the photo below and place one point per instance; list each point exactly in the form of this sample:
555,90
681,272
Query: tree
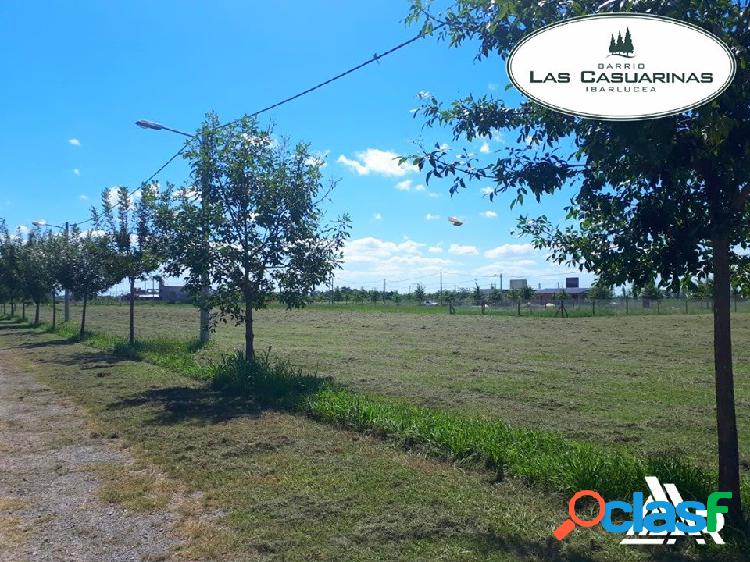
651,292
419,293
664,197
131,233
266,231
36,269
627,44
612,46
600,291
11,275
526,293
86,266
477,295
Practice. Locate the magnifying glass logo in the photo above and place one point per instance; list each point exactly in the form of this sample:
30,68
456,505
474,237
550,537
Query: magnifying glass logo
569,524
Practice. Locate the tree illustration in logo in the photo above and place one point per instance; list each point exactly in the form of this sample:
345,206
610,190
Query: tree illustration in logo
622,47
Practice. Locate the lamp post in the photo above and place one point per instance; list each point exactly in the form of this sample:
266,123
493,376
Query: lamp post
66,230
204,332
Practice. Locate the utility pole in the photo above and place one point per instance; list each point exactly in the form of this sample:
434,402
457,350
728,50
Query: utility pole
383,291
205,181
205,333
501,282
67,293
441,287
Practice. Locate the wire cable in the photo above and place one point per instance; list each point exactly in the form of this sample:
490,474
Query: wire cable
375,58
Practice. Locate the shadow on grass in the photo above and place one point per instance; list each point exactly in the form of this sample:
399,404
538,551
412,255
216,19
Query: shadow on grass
198,405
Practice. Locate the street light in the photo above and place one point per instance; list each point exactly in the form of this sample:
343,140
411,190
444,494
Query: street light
154,126
65,229
204,332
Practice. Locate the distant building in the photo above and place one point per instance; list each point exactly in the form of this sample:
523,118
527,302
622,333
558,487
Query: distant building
543,296
518,284
173,293
571,283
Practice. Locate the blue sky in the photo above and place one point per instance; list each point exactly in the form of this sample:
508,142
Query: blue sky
78,74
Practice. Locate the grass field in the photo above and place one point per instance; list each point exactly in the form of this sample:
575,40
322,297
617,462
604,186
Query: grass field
644,383
271,485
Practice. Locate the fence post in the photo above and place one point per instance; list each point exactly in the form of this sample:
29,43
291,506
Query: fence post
519,308
593,307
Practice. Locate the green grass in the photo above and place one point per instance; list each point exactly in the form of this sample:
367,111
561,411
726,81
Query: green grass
276,486
548,461
545,458
640,382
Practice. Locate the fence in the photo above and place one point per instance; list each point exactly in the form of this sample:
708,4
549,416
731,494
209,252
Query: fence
573,307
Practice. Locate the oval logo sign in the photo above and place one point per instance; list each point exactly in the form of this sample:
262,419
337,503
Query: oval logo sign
621,66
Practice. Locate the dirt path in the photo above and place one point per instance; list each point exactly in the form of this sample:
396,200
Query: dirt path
49,507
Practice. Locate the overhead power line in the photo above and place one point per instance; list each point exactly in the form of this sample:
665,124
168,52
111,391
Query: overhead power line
375,58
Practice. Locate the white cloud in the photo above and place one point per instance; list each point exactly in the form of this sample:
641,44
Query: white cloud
485,148
377,216
371,249
433,195
76,172
508,250
419,187
492,86
489,214
83,197
369,260
23,229
463,250
436,249
74,141
375,161
431,217
487,191
404,185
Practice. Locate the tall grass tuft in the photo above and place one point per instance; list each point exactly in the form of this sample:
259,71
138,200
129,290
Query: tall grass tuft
543,458
276,384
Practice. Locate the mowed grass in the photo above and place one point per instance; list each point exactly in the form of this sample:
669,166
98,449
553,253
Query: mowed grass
276,486
641,382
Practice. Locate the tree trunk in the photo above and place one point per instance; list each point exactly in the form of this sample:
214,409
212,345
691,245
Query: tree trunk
23,310
83,314
249,336
36,313
726,422
131,299
54,310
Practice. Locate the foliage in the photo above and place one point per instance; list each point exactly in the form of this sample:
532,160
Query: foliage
419,293
128,220
651,291
662,198
600,291
134,242
262,221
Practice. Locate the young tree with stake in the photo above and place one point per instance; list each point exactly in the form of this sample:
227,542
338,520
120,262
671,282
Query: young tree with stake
266,232
659,198
129,221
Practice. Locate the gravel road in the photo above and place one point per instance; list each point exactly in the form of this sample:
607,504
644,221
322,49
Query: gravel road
49,509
